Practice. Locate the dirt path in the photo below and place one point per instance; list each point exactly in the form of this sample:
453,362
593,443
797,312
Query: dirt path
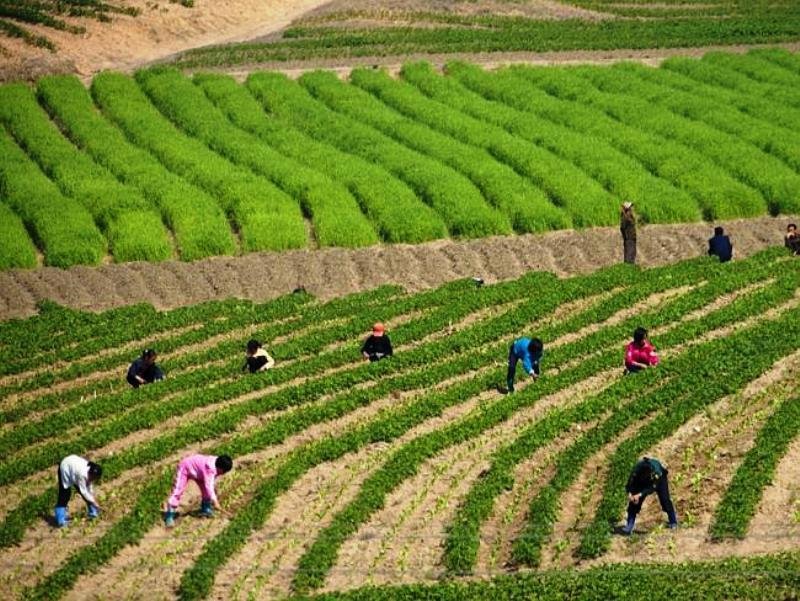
333,272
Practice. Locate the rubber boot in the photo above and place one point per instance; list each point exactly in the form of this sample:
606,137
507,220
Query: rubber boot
92,511
61,517
628,528
205,509
510,385
673,520
169,517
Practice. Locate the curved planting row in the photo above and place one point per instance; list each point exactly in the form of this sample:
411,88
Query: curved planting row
160,166
322,405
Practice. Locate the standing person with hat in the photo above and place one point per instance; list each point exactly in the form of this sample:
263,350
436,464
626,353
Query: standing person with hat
257,358
145,370
377,346
627,227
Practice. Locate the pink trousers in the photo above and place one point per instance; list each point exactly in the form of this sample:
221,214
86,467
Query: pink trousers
181,480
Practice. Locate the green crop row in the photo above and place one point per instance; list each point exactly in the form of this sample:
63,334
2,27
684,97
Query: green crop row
778,183
267,218
452,195
747,357
389,203
524,204
334,213
199,224
718,193
463,538
134,230
732,515
17,249
621,175
61,227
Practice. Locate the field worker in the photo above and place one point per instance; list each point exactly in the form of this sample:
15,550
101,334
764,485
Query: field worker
203,469
145,370
74,471
256,358
640,353
377,346
720,246
648,476
792,239
627,227
527,350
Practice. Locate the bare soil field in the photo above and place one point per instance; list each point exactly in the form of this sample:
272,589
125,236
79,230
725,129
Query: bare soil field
333,272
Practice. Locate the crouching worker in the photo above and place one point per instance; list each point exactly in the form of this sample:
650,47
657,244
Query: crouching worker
377,346
640,354
720,246
145,370
203,469
256,358
75,471
527,350
648,476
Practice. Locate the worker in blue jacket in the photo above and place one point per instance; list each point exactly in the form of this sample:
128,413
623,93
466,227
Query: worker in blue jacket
720,246
527,350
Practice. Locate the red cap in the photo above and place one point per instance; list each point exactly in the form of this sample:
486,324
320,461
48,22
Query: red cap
378,329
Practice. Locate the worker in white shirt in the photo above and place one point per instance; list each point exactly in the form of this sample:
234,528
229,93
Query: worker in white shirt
75,471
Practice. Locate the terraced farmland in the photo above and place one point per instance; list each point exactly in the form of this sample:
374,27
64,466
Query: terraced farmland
415,469
160,165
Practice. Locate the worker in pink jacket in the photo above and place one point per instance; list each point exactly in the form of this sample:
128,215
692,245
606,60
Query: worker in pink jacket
203,469
640,354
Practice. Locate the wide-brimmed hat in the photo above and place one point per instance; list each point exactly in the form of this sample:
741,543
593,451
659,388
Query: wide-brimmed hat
627,205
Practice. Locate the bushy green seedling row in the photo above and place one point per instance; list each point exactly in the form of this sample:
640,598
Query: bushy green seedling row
334,213
452,195
17,249
198,222
61,227
267,218
133,228
513,195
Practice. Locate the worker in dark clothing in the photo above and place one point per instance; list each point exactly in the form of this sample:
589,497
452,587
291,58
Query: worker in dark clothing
145,370
527,350
792,239
256,358
627,227
377,346
720,246
648,476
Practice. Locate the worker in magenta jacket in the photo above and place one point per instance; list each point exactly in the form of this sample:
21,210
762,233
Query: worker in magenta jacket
203,469
640,354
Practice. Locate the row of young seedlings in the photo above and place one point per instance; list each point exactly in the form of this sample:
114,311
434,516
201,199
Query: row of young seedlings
316,561
592,175
131,223
227,420
274,432
196,392
322,555
555,96
463,540
517,35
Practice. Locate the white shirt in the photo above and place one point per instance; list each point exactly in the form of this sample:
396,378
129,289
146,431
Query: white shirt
75,472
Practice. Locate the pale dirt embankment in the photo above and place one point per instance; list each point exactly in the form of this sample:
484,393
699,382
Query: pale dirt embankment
335,271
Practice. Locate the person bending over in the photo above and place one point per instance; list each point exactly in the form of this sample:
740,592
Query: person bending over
527,350
203,470
647,477
640,353
79,473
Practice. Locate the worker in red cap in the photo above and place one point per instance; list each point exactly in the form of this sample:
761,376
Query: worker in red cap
377,346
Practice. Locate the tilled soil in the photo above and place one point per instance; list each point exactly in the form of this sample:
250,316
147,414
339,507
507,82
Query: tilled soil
334,272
